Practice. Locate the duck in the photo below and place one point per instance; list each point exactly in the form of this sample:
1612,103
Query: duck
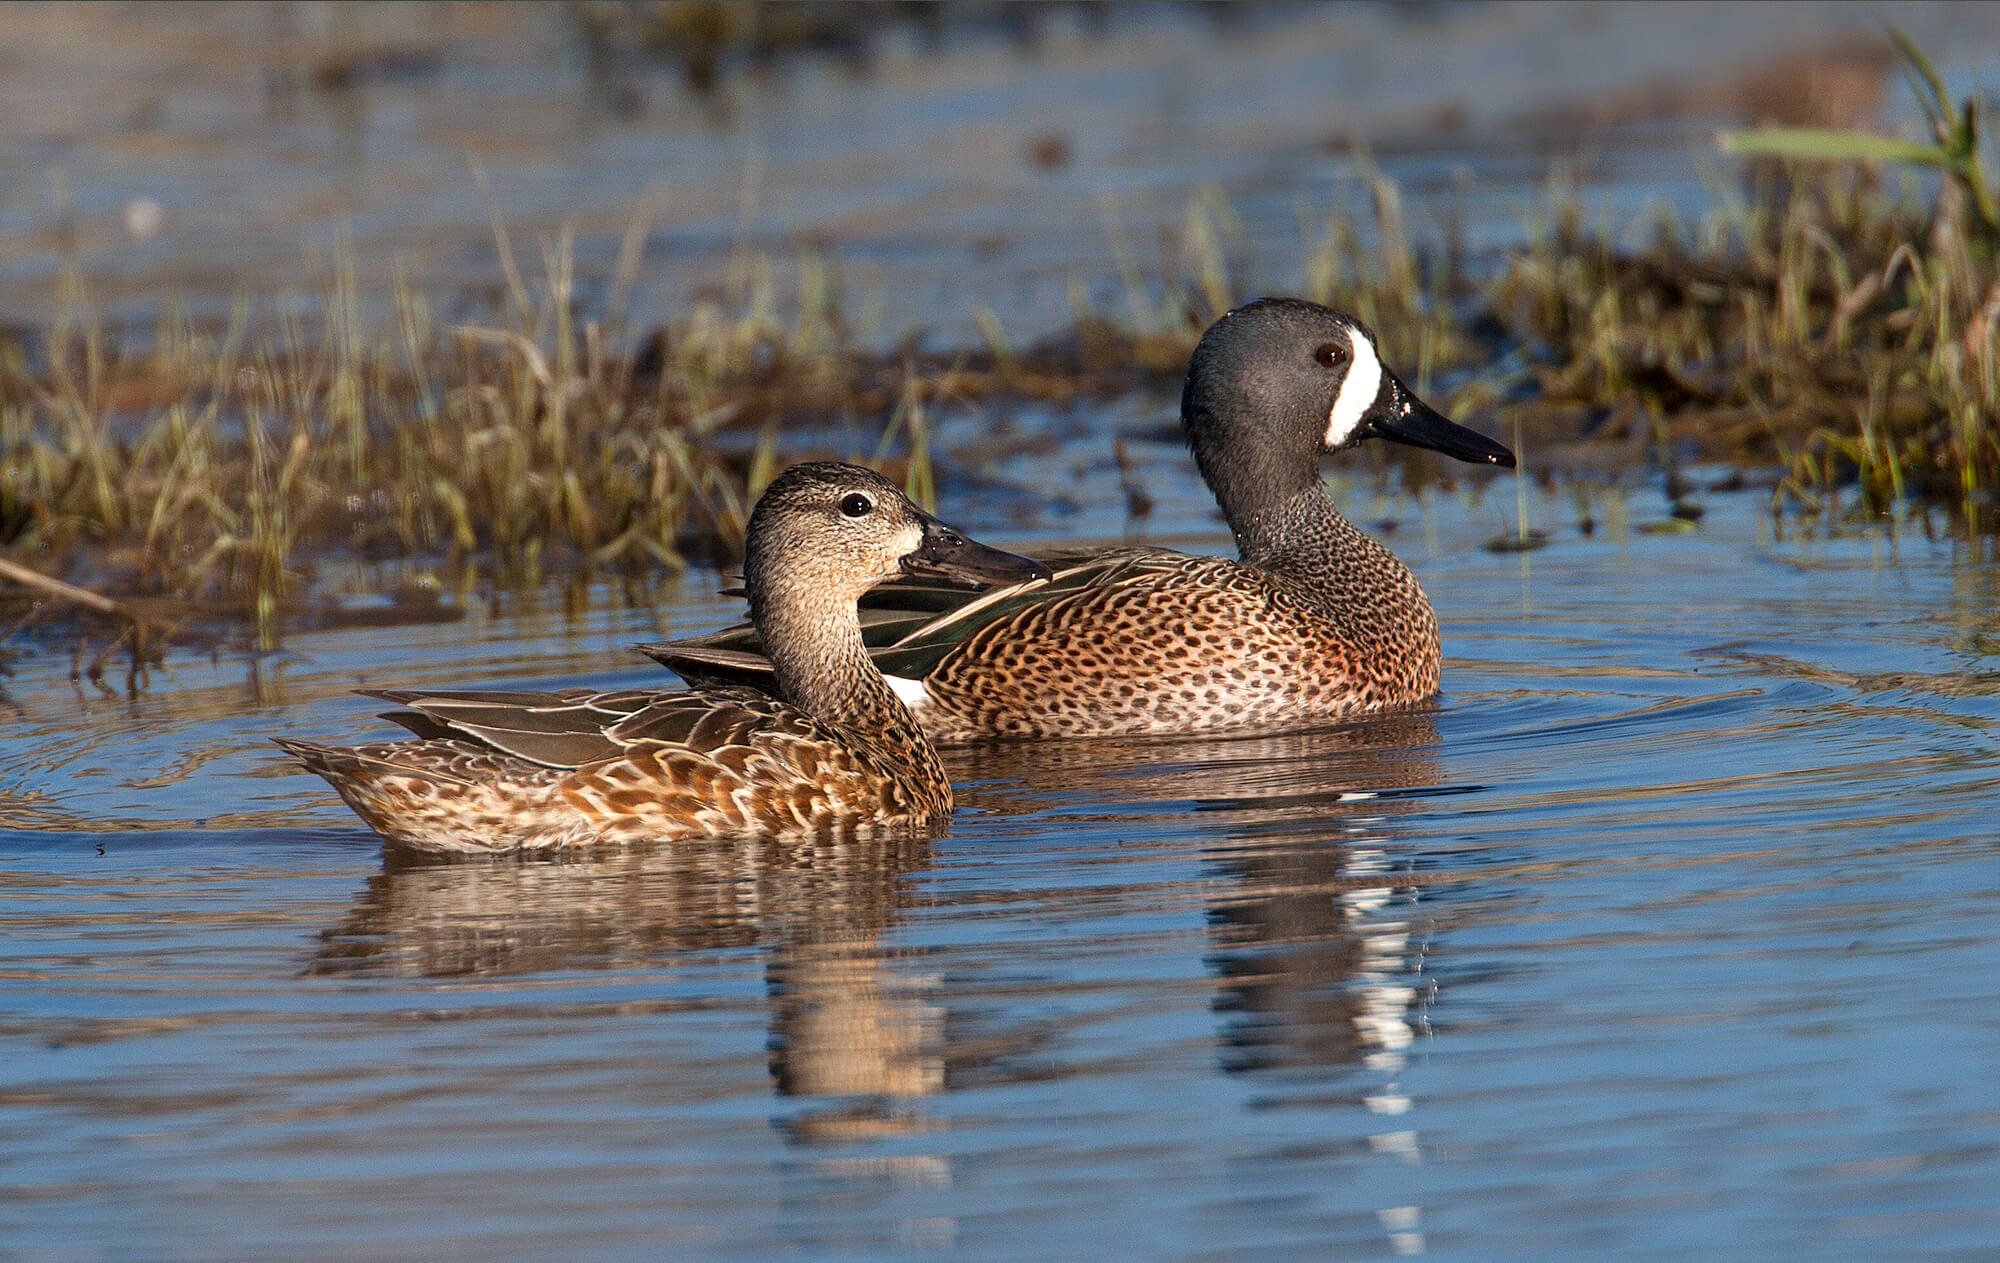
1312,622
826,746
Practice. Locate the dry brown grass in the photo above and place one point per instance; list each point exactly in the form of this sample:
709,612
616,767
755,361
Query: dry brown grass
1834,326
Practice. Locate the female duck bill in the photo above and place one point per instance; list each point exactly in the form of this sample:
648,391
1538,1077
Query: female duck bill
946,554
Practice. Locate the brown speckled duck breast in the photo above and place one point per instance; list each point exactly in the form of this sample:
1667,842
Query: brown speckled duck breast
825,746
1313,621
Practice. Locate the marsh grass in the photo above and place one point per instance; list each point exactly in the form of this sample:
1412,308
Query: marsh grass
1823,317
211,466
1828,323
1406,290
1822,320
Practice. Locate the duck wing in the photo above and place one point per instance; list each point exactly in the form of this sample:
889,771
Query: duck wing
577,727
910,625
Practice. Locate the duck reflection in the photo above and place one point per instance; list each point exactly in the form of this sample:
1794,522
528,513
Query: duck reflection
1313,941
423,917
843,1022
1315,961
851,1031
1315,945
1267,777
1308,920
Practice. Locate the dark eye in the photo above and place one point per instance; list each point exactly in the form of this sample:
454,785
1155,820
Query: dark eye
1331,354
854,504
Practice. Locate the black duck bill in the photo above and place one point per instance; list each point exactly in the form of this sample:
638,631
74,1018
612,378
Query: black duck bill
1401,417
946,554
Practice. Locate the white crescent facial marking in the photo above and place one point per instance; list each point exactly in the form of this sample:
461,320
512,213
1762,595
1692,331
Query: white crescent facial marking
913,692
1357,390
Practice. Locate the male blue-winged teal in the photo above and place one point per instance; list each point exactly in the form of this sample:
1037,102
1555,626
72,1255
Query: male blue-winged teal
1316,621
829,746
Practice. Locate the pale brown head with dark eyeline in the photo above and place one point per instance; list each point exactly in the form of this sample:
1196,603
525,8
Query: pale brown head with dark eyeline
824,533
838,530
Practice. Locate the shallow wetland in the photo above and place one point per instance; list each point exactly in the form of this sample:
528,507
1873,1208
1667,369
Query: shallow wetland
1672,930
1681,903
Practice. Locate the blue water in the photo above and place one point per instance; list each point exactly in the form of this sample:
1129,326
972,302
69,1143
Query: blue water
1670,932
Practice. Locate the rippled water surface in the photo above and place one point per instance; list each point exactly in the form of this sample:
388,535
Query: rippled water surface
175,156
1670,932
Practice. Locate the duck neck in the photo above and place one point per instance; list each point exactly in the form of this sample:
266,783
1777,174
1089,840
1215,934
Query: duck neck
1273,498
813,639
1308,541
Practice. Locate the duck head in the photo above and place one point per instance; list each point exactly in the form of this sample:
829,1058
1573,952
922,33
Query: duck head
1276,382
825,532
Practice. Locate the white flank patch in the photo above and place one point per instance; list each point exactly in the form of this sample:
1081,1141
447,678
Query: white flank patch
1357,391
913,692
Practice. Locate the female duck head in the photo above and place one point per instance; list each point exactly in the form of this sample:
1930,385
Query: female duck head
1276,382
824,533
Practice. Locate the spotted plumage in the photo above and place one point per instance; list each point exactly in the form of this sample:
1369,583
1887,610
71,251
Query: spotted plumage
1314,621
828,748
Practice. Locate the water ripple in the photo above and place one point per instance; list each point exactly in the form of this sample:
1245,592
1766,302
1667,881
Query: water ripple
1645,941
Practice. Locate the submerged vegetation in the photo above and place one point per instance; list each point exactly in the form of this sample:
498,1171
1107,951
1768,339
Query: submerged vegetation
1826,321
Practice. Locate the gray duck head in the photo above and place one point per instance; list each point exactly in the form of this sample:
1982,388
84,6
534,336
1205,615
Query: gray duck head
1276,382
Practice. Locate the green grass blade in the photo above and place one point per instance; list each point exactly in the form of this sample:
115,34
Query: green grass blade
1823,145
1925,84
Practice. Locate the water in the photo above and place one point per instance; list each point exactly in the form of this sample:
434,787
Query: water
1670,932
176,156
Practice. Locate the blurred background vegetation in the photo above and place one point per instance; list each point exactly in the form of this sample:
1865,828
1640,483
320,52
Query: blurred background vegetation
542,289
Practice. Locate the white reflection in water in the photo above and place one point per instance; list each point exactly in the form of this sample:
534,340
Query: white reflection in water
1387,982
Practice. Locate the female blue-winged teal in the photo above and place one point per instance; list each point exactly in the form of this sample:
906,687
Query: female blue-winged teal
828,747
1317,621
